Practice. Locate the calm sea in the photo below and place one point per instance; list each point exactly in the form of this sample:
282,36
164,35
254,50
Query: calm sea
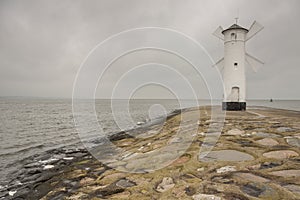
32,126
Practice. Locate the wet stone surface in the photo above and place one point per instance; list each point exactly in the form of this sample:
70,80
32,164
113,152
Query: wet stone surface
226,155
255,158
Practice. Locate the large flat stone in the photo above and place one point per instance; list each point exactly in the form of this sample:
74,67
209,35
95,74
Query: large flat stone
124,183
282,154
293,188
266,135
267,142
284,129
260,190
293,141
225,155
287,173
251,177
235,132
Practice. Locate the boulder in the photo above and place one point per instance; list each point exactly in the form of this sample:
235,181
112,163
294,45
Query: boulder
166,184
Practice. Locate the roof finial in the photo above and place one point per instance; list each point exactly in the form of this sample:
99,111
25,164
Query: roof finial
237,17
236,20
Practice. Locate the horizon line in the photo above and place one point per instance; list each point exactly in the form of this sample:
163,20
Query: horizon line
41,97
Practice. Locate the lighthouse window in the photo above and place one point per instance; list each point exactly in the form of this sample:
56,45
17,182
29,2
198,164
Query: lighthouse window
235,65
233,36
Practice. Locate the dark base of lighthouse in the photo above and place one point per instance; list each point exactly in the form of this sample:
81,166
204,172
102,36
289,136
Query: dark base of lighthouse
234,106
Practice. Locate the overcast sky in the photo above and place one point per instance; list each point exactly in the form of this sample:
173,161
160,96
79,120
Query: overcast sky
43,43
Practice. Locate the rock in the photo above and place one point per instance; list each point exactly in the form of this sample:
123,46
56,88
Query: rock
98,171
166,184
226,169
293,188
109,190
190,191
284,129
225,155
12,193
126,142
32,165
267,142
68,158
124,183
222,180
50,161
48,167
293,141
261,190
253,189
122,195
267,165
201,134
287,173
246,135
34,171
235,132
282,154
112,177
251,177
119,136
201,169
19,183
254,167
182,159
70,183
86,181
21,193
265,135
70,151
44,177
206,197
140,123
30,178
274,122
174,140
244,142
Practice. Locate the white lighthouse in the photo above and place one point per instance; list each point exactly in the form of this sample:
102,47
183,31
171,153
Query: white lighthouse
234,62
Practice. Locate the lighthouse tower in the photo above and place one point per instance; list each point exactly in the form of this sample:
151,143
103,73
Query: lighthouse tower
234,62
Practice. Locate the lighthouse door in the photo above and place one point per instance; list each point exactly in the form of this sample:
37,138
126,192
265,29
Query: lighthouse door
235,93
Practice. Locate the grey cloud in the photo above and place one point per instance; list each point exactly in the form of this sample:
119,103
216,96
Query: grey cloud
43,43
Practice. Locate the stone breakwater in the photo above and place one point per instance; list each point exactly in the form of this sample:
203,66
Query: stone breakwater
256,157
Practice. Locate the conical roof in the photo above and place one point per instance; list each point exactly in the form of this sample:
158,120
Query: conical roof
235,26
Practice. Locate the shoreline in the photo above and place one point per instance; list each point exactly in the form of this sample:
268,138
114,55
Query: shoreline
55,159
104,182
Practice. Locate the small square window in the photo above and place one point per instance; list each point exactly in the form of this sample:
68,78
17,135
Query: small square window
235,64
